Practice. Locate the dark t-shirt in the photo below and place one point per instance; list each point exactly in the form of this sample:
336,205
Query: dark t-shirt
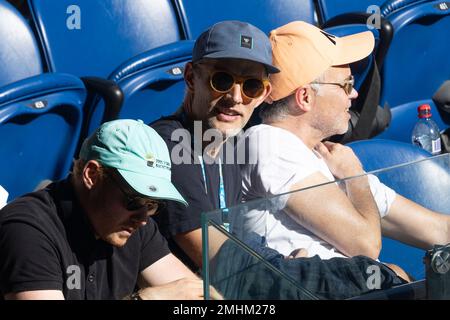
47,243
188,179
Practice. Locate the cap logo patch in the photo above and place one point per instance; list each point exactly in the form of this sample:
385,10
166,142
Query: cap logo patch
162,164
246,42
329,37
152,188
150,160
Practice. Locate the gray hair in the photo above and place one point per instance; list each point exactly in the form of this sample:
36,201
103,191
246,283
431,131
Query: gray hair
276,111
315,86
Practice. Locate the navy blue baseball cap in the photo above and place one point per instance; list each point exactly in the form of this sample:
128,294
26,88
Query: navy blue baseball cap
234,40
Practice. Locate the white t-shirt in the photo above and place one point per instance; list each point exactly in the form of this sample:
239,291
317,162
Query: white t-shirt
3,197
277,159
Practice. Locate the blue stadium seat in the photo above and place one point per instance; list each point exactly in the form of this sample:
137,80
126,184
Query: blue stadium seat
417,62
404,118
40,113
40,122
328,9
377,154
93,37
414,182
19,51
109,35
390,6
152,82
198,15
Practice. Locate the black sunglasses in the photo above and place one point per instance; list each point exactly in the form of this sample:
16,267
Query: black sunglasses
251,88
135,201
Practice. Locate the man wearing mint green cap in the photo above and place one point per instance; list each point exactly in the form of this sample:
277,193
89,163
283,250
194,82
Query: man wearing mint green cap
91,236
144,166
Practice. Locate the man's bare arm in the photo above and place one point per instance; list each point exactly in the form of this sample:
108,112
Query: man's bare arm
170,279
415,225
165,270
327,212
36,295
191,243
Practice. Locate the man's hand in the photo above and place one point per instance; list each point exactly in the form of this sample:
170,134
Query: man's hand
340,159
183,289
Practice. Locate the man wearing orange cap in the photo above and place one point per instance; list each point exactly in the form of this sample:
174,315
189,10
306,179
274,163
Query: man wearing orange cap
310,100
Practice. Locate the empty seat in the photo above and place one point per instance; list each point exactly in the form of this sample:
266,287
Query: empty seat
404,118
19,51
426,183
152,83
377,154
100,37
198,15
331,8
40,114
93,37
390,6
417,62
40,122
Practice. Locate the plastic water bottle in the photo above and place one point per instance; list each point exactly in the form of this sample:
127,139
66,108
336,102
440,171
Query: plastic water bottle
426,132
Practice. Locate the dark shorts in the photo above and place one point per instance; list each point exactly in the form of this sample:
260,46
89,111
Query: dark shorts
239,274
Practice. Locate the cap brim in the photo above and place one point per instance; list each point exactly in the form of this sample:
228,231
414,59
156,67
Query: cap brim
152,187
233,55
354,47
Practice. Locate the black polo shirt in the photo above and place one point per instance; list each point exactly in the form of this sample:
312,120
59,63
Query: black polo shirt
188,179
47,243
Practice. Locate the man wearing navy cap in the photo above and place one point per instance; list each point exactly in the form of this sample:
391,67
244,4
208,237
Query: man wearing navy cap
91,236
226,80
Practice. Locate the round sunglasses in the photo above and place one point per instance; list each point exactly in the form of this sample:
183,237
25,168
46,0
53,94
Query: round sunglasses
251,88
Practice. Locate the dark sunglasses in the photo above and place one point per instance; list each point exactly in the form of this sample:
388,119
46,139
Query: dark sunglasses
251,88
348,84
135,201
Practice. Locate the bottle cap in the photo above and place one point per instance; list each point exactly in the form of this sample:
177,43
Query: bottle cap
424,111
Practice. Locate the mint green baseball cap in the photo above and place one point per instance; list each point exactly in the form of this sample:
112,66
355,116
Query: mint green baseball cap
138,153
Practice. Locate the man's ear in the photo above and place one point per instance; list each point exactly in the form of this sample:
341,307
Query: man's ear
91,174
189,76
304,98
268,92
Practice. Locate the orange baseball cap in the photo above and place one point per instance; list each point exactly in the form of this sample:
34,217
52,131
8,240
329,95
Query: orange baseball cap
303,52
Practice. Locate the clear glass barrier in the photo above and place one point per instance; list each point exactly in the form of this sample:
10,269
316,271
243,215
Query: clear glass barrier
239,273
239,264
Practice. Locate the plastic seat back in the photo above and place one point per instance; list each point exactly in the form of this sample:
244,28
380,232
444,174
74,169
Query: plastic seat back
152,82
19,51
417,62
404,118
390,6
427,183
198,15
331,8
93,37
40,122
